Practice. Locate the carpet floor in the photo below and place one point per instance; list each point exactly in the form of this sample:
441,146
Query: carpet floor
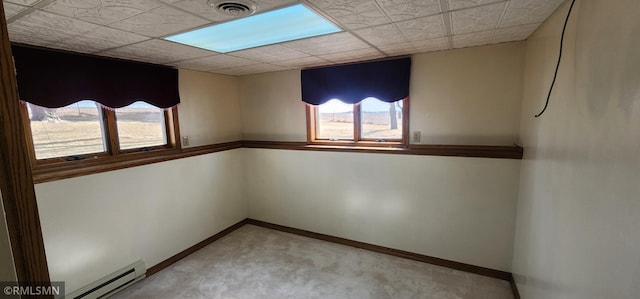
255,262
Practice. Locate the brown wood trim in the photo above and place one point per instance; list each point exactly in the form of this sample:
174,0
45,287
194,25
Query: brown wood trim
311,122
390,251
480,151
514,287
61,169
172,125
110,131
70,169
406,136
27,130
16,181
357,124
168,262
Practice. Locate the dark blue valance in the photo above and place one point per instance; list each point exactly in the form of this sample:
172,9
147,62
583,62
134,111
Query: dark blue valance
55,79
386,80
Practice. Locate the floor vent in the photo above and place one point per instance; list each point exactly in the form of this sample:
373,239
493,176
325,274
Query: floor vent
111,283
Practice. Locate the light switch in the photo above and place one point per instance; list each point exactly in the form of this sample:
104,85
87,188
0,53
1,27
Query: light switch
185,140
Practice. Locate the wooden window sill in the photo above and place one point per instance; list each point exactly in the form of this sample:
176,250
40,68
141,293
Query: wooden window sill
479,151
69,169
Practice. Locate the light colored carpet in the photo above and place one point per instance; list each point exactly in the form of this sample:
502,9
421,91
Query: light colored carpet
255,262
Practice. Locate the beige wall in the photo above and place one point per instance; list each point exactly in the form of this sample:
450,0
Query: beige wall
272,108
7,270
461,209
210,110
579,209
96,224
93,225
466,96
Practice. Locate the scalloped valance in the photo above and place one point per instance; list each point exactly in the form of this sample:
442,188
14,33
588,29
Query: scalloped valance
56,79
386,80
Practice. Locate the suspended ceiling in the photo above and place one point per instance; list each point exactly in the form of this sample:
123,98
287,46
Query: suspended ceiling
133,29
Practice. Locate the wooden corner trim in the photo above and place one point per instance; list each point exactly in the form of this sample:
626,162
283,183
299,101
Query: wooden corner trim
168,262
16,180
390,251
514,287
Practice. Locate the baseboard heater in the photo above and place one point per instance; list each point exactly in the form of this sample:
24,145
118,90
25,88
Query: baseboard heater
111,283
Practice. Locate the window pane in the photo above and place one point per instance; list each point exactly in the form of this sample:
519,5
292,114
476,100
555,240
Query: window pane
381,120
140,125
72,130
335,120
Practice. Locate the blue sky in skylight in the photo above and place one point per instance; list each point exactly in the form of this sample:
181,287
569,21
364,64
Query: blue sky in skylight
281,25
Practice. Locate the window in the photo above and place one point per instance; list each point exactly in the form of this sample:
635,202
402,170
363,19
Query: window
140,125
89,113
334,121
72,130
82,130
370,122
361,104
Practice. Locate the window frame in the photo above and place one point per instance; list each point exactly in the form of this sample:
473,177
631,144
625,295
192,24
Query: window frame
312,129
113,153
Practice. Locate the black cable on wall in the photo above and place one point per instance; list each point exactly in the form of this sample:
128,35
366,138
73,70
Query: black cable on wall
555,75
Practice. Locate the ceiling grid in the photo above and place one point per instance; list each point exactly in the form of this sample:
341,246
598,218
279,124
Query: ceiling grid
134,29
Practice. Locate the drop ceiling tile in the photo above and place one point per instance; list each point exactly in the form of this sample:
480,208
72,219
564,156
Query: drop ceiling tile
355,55
100,39
101,12
423,28
161,21
477,19
201,8
192,64
514,33
472,39
460,4
327,44
11,9
302,62
429,45
398,49
250,69
522,12
337,8
26,36
270,53
216,62
382,35
264,5
157,51
22,2
363,19
410,9
48,27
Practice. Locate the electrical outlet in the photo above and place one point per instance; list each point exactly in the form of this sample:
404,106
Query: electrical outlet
416,136
185,140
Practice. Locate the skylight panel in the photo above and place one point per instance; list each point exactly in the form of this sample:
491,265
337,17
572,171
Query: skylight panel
276,26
